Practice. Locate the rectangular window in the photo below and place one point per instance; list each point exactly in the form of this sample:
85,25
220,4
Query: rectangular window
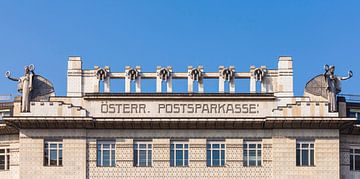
355,159
4,159
53,153
305,153
179,154
215,154
105,154
252,153
142,154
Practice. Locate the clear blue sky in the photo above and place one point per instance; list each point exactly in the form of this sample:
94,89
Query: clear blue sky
179,33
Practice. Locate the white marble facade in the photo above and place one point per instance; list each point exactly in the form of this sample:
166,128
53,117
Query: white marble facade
269,113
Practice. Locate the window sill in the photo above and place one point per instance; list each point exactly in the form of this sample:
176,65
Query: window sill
252,166
106,166
306,166
55,166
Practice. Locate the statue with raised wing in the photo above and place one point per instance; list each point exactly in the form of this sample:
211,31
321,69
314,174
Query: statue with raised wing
334,85
326,86
32,87
24,86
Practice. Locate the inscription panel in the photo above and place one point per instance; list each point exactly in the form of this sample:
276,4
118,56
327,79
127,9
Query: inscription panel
179,109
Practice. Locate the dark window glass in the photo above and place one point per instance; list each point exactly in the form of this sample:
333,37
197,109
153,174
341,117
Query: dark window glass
259,158
351,162
222,157
8,162
113,157
2,162
150,157
305,157
106,158
142,158
46,156
216,158
179,157
357,162
252,158
60,157
208,158
171,157
53,157
305,145
245,156
298,157
312,157
186,157
135,156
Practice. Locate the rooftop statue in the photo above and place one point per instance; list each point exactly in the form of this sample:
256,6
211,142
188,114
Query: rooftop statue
334,85
33,87
259,73
133,74
327,85
196,74
102,73
228,74
164,74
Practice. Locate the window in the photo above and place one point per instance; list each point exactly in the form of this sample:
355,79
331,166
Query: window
4,159
179,154
355,159
215,154
105,154
53,153
142,154
304,153
252,153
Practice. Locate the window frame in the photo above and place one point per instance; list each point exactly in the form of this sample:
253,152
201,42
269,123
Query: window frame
183,149
102,143
137,151
353,154
257,149
309,149
6,155
211,143
58,149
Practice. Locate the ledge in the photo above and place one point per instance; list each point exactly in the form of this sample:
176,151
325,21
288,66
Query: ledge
33,122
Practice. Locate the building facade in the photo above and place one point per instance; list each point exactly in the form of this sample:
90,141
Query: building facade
97,132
